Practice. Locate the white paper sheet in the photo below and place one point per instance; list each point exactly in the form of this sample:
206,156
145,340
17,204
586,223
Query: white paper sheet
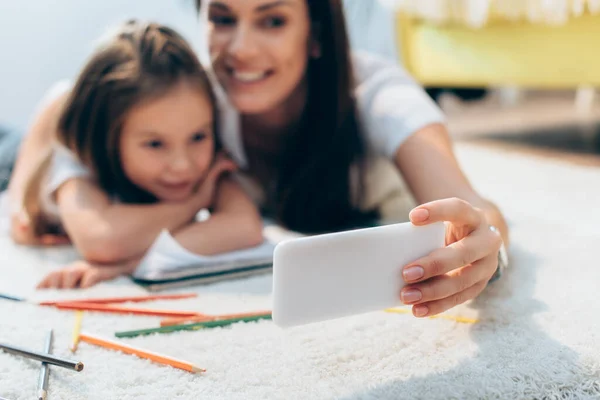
166,258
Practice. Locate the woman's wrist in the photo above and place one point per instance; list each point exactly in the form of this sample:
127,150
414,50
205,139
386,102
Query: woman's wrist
502,259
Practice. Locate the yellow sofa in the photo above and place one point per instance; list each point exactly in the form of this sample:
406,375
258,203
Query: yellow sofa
502,53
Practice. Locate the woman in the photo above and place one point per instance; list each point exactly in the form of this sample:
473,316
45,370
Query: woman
311,117
304,131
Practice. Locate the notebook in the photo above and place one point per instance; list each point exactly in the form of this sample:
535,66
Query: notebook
169,265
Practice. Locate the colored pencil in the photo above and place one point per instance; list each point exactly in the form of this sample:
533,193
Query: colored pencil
45,370
159,358
124,310
45,357
76,331
207,317
132,299
11,298
463,320
190,327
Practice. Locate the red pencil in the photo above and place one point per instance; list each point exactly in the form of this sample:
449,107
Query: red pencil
124,310
134,299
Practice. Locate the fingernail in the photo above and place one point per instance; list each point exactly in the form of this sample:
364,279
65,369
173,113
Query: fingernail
421,311
413,273
419,214
410,296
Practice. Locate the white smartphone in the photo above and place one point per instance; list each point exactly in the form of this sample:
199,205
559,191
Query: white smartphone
334,275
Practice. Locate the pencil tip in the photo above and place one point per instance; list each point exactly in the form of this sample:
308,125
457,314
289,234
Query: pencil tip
78,366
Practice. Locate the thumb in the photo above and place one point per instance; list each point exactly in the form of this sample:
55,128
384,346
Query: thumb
221,165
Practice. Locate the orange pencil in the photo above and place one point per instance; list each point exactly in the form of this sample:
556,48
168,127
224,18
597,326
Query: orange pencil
124,310
206,317
134,299
159,358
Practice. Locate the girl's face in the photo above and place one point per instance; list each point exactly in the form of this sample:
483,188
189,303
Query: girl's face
260,50
167,143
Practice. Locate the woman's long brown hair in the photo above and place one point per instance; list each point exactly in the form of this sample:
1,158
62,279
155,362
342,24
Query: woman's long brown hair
315,191
141,61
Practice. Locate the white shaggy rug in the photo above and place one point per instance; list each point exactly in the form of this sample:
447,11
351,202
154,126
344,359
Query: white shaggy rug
538,335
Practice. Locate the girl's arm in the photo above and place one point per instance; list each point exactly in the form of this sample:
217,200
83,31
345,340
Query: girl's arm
234,224
105,232
83,274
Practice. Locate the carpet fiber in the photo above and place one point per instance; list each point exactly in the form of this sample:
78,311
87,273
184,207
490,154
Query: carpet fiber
538,335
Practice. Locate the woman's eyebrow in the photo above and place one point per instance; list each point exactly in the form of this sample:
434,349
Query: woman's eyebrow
260,8
268,6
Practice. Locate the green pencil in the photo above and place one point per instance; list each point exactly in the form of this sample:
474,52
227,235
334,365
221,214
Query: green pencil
190,327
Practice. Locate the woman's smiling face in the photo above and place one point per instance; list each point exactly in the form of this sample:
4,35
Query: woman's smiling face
260,50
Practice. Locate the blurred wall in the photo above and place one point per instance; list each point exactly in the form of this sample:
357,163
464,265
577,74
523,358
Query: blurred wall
43,41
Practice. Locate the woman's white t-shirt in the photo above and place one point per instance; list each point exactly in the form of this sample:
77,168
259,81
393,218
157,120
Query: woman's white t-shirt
391,105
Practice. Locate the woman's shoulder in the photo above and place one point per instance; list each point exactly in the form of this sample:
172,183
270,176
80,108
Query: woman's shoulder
372,71
64,166
57,90
391,104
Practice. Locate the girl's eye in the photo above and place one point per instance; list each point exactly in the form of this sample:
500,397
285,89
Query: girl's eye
222,20
198,137
154,144
273,22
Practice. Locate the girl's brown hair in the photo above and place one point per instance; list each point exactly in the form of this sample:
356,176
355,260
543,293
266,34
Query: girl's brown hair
141,61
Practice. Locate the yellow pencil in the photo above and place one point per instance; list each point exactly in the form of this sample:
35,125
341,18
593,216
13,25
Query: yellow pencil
76,331
463,320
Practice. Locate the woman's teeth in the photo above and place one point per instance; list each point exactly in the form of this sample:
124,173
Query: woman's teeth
249,77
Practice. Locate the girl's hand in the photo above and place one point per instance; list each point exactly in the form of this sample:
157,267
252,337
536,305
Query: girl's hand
205,193
458,272
22,234
82,274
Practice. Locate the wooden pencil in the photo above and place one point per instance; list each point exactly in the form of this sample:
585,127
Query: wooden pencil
190,327
124,310
44,357
132,299
463,320
45,370
11,298
159,358
76,331
208,317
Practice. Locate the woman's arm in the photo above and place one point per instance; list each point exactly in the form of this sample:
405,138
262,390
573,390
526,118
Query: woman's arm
234,224
36,143
462,269
429,166
105,232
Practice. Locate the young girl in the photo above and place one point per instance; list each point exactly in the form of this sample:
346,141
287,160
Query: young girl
135,154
